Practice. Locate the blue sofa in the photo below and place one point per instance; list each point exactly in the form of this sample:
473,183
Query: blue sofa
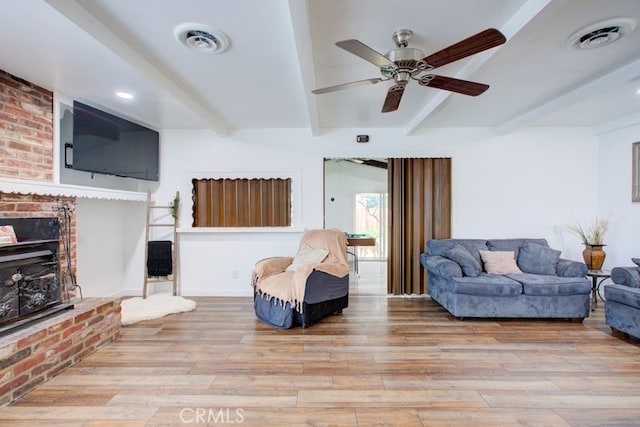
622,306
546,287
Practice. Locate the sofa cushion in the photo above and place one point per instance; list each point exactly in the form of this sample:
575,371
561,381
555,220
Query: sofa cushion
636,261
538,259
499,262
623,295
512,244
539,285
461,255
440,266
440,246
307,255
569,268
487,285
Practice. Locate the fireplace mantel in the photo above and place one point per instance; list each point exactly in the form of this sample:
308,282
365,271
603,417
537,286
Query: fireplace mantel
20,186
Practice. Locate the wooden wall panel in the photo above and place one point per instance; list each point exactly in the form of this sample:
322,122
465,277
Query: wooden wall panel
420,209
288,200
255,200
267,202
216,202
229,200
241,202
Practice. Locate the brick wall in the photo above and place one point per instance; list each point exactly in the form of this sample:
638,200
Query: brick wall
26,152
33,355
26,130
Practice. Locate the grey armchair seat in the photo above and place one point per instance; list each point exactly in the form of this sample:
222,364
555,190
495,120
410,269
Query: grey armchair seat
622,307
303,289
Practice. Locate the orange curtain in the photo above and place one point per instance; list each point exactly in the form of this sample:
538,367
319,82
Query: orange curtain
419,210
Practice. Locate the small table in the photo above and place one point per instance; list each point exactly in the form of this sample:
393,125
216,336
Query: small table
597,277
355,240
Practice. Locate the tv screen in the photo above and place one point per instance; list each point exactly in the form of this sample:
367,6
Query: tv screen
107,144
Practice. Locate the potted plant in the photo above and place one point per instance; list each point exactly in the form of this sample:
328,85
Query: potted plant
592,237
174,206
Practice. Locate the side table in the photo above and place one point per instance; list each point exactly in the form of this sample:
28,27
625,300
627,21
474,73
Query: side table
355,240
597,277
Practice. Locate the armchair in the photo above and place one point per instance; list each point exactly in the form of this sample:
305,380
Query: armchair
622,307
303,289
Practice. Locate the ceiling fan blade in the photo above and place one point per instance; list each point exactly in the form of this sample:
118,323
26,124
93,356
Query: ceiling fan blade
392,101
346,85
477,43
464,87
365,52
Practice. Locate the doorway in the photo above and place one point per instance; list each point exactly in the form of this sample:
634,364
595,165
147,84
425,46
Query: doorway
356,201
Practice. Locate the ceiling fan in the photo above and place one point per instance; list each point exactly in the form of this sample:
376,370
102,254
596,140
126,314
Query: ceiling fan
404,63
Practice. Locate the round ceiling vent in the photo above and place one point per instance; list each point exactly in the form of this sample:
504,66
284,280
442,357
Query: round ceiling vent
601,34
201,38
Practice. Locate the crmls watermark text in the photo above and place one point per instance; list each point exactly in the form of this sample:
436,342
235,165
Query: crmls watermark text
212,415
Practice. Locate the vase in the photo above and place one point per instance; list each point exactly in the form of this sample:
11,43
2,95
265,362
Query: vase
593,256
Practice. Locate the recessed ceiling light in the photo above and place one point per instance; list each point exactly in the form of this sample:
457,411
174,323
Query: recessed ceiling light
201,38
601,34
124,95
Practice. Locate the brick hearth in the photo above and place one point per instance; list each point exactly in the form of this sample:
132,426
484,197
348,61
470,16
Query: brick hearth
32,355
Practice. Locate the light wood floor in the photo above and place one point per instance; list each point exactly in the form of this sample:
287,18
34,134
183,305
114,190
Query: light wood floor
385,361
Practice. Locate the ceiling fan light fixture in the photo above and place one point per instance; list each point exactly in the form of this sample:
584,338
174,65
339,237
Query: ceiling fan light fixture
201,38
601,34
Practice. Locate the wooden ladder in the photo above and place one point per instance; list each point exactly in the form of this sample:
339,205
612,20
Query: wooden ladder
174,209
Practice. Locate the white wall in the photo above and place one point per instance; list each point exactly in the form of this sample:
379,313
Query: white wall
109,248
614,189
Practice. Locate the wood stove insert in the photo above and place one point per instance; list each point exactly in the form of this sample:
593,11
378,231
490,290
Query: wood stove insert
29,273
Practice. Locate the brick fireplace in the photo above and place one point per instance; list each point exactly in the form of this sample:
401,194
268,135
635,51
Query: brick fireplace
35,352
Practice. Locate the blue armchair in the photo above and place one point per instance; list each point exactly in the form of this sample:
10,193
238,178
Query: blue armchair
622,307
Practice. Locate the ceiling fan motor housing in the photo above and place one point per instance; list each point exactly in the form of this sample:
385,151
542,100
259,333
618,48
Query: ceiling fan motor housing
406,60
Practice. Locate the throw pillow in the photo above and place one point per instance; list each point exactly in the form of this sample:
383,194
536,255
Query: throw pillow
7,235
307,255
537,259
499,262
461,255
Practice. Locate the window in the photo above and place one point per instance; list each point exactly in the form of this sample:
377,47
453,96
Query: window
235,202
371,218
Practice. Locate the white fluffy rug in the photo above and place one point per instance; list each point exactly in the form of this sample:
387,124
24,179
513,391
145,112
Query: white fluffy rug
153,307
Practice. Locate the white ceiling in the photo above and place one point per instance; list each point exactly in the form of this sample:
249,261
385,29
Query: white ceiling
280,50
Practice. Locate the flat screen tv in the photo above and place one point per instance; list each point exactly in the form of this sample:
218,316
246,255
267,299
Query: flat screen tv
107,144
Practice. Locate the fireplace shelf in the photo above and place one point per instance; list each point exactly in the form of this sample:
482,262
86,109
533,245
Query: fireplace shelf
20,186
34,318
